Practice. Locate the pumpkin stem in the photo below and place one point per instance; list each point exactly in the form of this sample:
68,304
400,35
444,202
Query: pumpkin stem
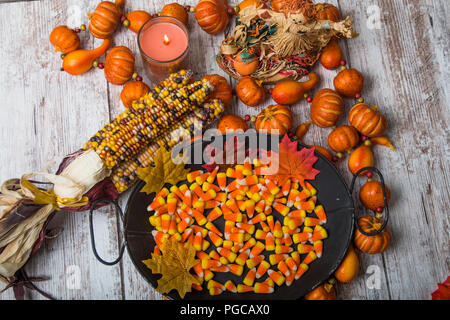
119,4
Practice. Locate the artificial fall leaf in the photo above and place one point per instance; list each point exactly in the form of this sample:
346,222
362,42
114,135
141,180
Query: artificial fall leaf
174,265
293,164
443,291
164,171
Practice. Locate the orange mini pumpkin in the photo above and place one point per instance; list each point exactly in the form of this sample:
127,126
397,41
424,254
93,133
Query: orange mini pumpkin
250,91
331,55
119,65
371,195
326,108
367,120
349,82
245,68
104,20
64,39
326,11
247,3
325,291
137,19
230,123
211,15
343,138
274,117
222,89
372,244
177,11
133,91
360,158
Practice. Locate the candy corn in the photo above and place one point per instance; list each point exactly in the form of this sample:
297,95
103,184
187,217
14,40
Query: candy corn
262,269
251,205
262,288
227,253
276,276
250,277
230,286
236,269
318,248
242,288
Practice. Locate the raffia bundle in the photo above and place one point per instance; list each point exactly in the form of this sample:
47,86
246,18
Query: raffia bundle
288,47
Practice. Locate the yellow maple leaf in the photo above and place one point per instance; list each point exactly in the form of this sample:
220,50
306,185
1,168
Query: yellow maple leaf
174,265
164,171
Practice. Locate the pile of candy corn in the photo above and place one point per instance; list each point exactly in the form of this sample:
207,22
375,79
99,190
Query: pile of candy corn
257,244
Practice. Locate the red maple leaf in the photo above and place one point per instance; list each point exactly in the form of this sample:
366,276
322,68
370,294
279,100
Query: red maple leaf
293,164
443,291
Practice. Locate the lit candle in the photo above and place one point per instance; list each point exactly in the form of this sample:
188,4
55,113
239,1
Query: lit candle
166,39
164,43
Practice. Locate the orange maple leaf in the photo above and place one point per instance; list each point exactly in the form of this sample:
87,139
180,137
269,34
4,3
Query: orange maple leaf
292,163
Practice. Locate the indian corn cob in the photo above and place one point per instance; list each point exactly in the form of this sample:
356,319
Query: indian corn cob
125,174
146,120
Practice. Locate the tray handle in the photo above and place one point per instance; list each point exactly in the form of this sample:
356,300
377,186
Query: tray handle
91,228
386,207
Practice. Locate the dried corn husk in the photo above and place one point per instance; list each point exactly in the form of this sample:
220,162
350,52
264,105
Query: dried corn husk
24,208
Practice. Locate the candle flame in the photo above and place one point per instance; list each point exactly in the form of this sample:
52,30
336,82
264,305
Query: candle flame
166,39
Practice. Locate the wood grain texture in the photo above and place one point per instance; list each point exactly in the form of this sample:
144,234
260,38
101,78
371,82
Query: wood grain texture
46,113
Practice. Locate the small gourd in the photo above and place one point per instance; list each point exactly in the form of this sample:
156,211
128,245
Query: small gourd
250,91
64,39
119,65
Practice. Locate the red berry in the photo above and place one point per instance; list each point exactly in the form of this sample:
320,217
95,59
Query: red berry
230,11
335,159
270,90
343,62
155,15
123,18
380,209
101,65
138,78
309,99
358,95
188,8
369,174
290,134
363,138
77,30
247,117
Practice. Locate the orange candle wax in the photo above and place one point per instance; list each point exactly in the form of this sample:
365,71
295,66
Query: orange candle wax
164,43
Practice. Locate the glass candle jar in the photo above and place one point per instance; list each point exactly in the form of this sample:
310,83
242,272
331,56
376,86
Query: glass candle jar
164,45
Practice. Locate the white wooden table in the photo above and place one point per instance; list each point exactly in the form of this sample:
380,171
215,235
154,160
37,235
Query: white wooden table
46,113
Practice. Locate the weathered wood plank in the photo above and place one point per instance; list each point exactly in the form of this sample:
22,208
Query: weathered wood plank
409,82
46,114
407,71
